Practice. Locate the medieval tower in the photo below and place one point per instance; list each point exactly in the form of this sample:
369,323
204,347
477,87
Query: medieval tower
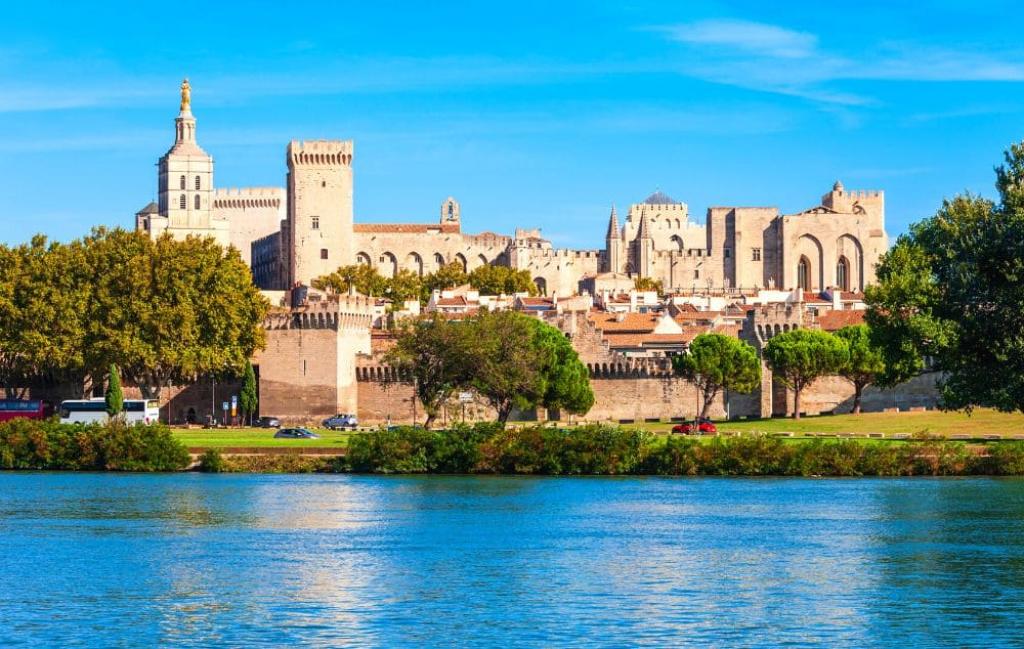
319,223
185,184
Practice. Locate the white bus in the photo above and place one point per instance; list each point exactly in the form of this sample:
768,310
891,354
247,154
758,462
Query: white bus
87,411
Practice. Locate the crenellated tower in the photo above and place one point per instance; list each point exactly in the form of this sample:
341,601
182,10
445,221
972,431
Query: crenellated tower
319,224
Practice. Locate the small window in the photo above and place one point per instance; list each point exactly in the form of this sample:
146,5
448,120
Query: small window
756,256
182,202
323,183
197,182
316,222
728,253
323,253
696,274
181,183
198,201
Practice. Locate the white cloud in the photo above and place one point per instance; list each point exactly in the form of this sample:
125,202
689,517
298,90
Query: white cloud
758,38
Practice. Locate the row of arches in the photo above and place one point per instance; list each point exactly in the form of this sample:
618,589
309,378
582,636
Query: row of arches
387,264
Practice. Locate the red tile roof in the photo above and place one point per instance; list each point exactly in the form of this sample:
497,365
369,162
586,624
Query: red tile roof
835,320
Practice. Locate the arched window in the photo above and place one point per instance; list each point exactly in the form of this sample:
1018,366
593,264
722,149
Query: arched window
541,284
461,261
182,202
438,260
803,274
677,242
843,274
363,259
197,201
181,182
197,182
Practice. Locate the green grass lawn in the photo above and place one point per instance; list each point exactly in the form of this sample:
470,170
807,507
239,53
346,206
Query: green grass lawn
981,422
256,437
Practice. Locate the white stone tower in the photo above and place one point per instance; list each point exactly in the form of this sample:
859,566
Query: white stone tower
613,245
185,185
319,208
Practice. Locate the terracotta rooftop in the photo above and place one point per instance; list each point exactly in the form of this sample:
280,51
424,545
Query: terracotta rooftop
624,322
835,320
406,227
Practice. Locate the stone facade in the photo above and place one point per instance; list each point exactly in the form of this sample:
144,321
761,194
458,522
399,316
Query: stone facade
834,244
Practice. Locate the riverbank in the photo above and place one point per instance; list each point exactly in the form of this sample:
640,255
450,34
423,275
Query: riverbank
522,450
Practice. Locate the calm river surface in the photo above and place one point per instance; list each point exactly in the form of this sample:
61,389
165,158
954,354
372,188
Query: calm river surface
244,560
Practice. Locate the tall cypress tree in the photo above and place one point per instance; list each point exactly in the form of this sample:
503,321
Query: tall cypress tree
248,399
114,397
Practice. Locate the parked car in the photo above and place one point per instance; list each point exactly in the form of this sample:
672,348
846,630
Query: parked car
701,426
268,422
296,433
341,421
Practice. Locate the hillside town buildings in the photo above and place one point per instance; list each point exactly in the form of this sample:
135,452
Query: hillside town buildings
750,272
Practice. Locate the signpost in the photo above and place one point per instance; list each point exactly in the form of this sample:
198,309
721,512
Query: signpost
224,407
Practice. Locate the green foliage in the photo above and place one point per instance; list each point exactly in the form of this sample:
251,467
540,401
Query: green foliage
248,399
716,362
953,290
436,355
448,276
113,397
501,280
510,359
365,279
649,284
608,450
29,444
211,461
160,310
865,363
801,356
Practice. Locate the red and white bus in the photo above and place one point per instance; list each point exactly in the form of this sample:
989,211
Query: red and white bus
24,409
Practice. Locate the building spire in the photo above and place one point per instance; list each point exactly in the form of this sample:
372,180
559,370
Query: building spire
644,231
613,224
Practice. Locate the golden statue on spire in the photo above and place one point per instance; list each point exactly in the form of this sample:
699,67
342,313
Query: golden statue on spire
186,96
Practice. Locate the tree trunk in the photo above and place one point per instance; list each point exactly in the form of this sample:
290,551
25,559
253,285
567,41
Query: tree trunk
796,403
429,422
504,412
857,390
709,398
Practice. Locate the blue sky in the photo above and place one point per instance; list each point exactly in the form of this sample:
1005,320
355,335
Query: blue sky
532,114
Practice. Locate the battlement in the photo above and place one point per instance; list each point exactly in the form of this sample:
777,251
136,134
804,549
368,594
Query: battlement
242,197
562,253
320,152
335,312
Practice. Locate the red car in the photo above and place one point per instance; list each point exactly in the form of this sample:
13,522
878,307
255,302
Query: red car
701,427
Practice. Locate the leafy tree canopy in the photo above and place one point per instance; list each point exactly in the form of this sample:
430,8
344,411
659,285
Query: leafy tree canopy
952,289
801,356
865,364
716,362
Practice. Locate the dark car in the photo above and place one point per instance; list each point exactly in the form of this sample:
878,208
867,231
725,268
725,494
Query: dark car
701,426
341,421
268,422
296,433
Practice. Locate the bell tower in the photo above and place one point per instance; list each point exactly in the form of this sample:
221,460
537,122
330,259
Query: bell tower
185,180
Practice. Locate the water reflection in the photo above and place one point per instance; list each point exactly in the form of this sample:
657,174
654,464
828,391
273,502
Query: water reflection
104,560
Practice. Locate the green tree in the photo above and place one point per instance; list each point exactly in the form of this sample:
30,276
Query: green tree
952,290
114,398
498,280
445,277
248,399
801,356
716,362
649,284
565,379
865,363
169,310
435,355
365,279
405,285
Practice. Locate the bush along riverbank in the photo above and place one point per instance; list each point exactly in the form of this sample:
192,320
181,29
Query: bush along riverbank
28,444
608,450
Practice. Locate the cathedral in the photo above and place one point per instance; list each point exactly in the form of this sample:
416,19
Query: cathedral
293,234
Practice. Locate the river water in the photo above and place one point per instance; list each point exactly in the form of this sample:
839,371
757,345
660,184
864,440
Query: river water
270,560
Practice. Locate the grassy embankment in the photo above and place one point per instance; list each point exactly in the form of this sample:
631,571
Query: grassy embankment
980,424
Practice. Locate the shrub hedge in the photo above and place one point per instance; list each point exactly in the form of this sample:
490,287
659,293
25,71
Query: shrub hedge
30,444
611,450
